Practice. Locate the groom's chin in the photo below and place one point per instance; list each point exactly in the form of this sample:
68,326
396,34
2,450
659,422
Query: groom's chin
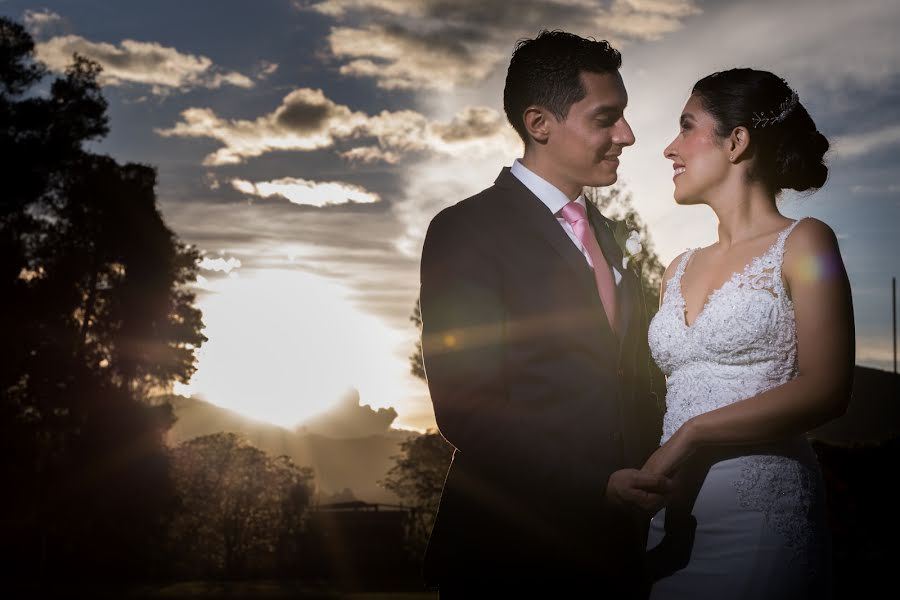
604,180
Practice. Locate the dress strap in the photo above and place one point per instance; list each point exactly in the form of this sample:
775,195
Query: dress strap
675,280
778,255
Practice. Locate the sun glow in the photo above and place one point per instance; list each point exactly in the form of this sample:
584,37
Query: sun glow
285,345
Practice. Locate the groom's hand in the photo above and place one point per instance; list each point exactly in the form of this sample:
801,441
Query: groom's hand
639,490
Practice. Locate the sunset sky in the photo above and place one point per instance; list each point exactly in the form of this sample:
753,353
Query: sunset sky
304,145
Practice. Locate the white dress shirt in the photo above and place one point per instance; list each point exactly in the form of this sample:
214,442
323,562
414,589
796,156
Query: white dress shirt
555,200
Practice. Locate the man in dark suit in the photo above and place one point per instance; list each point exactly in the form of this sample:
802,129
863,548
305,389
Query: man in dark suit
535,349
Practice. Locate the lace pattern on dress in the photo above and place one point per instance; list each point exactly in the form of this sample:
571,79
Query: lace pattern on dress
741,343
788,493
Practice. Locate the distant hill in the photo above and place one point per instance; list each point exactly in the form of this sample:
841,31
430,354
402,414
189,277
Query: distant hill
356,463
874,411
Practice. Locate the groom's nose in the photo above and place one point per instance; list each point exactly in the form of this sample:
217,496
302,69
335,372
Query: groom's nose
624,136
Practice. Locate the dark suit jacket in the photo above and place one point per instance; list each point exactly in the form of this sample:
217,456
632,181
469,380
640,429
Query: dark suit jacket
531,386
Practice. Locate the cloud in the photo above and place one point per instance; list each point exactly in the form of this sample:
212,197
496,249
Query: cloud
837,47
264,69
472,123
350,419
307,120
645,19
435,44
402,59
371,154
311,193
42,21
220,264
851,146
145,63
340,8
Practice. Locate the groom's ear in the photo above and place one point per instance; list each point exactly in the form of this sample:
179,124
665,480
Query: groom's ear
739,143
537,123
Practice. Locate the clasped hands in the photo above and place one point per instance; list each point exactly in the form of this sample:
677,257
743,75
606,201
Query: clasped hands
647,489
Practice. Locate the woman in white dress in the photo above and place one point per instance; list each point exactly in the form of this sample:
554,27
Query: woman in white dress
755,335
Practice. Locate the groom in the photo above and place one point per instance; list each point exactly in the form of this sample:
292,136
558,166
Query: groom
535,349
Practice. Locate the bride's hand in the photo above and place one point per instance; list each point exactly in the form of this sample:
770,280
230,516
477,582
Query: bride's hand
671,455
638,490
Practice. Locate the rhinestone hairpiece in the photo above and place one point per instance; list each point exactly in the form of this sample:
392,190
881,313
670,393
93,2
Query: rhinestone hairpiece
764,119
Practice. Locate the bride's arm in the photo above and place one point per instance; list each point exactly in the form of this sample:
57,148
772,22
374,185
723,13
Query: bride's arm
823,311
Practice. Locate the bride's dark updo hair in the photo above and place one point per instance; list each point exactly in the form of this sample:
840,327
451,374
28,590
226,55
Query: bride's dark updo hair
787,147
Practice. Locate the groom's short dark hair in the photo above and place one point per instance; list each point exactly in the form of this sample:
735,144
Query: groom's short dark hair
546,72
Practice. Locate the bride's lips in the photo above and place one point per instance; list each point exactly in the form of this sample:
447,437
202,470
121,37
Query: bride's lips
679,169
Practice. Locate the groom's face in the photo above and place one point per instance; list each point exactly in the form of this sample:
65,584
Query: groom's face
586,145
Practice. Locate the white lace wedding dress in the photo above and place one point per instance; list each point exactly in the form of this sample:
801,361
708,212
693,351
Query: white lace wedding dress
746,522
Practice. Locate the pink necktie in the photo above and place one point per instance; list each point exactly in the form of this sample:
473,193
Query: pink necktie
576,216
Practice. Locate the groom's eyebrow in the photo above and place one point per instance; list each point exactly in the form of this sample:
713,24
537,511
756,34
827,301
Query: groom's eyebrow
687,117
607,110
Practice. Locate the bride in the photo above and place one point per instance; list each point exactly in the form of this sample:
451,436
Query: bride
755,335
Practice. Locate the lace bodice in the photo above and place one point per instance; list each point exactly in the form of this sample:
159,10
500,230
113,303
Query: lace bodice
742,343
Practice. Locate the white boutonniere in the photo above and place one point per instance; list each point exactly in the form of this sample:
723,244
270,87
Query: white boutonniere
629,241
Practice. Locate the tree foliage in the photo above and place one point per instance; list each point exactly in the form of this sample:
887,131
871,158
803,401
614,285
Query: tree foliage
95,314
416,362
417,478
615,203
240,508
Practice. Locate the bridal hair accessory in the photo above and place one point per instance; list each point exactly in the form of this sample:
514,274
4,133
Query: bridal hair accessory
764,119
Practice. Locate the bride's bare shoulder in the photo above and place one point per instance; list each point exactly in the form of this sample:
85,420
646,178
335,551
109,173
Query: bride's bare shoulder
812,243
813,232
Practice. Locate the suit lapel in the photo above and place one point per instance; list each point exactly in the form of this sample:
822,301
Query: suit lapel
605,238
529,208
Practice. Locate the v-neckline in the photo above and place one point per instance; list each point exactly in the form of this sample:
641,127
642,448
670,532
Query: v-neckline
731,278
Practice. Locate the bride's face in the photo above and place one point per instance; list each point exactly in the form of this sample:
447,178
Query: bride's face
698,156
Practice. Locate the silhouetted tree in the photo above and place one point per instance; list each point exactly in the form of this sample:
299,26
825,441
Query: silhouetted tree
416,364
94,312
124,271
239,506
417,478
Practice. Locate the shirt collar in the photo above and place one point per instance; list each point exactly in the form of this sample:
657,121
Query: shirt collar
549,194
